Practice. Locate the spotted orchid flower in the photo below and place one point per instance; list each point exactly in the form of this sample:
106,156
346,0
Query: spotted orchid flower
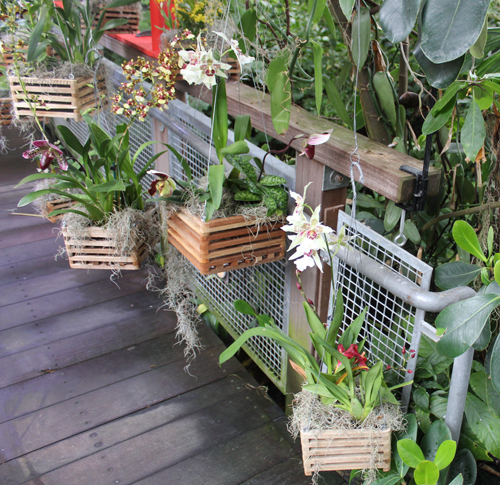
163,184
309,145
242,58
46,153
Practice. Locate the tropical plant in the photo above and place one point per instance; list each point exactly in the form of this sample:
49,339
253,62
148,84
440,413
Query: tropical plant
434,462
102,170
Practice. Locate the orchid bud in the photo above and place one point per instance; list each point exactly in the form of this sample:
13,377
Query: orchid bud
409,371
298,286
310,302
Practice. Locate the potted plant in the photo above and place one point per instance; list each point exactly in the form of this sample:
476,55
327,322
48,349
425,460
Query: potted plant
345,411
111,227
65,81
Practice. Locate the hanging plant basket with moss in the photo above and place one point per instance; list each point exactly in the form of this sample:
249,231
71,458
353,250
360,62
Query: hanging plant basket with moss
130,13
122,244
56,97
225,244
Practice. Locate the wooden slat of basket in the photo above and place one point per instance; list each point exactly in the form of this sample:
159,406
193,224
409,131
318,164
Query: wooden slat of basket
131,14
5,111
335,450
56,204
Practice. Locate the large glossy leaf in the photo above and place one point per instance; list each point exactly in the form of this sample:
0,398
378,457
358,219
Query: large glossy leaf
492,399
485,425
495,365
473,131
466,238
249,23
397,18
361,29
438,432
442,75
464,322
465,465
456,273
451,27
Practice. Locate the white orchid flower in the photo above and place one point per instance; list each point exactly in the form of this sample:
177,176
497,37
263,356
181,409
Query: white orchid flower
203,68
242,58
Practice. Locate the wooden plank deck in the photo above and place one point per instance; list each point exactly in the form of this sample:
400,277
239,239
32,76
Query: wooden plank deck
92,387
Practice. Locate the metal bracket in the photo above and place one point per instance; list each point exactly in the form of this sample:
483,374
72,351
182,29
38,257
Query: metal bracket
333,179
418,202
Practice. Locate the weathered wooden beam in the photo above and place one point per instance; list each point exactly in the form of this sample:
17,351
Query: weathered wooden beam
379,163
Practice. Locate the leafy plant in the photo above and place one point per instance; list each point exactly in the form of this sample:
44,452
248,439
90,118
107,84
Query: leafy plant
102,170
348,383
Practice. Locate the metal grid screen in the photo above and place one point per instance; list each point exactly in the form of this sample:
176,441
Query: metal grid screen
391,325
262,286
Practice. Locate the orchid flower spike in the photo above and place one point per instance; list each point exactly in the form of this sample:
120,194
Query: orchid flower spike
163,184
308,147
242,58
46,153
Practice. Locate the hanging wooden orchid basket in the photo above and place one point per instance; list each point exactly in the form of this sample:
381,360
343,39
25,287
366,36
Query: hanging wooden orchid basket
225,244
55,98
56,204
353,449
129,12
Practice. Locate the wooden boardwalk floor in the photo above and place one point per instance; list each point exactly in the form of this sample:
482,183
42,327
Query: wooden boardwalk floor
92,387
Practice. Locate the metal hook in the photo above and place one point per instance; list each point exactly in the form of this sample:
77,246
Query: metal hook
401,239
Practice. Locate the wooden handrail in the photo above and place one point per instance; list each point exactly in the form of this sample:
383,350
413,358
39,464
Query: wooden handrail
379,163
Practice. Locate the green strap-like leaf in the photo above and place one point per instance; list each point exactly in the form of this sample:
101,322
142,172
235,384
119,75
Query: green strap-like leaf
335,98
318,74
36,34
281,103
361,29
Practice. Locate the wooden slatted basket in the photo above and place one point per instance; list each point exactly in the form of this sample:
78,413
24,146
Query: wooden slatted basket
335,450
5,111
129,12
225,244
97,250
63,98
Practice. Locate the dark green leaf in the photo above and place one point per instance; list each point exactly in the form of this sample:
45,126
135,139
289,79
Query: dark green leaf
120,3
451,27
277,66
470,441
247,196
411,232
215,182
465,465
478,383
242,127
397,18
456,273
249,24
421,398
281,103
442,75
272,181
464,322
494,362
438,405
219,116
392,216
438,432
36,34
485,425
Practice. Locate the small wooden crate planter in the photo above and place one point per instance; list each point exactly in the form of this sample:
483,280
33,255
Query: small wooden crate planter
56,204
5,111
335,450
64,98
128,12
225,244
97,250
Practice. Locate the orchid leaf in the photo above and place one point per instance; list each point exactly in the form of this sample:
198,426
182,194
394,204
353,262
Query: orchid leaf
281,103
398,17
361,29
318,74
473,131
465,236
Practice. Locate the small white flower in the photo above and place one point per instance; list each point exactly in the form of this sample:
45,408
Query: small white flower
233,44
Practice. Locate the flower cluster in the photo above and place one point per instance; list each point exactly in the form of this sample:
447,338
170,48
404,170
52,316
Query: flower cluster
311,238
353,353
45,153
138,102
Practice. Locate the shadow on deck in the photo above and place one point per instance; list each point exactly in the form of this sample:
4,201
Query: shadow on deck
92,388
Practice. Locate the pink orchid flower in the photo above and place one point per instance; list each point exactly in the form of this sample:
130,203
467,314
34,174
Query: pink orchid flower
308,147
163,184
46,152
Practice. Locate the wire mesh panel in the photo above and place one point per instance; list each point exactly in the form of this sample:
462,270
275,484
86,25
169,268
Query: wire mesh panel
391,325
264,286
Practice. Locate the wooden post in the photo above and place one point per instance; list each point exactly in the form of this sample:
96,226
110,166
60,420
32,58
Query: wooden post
315,283
160,133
